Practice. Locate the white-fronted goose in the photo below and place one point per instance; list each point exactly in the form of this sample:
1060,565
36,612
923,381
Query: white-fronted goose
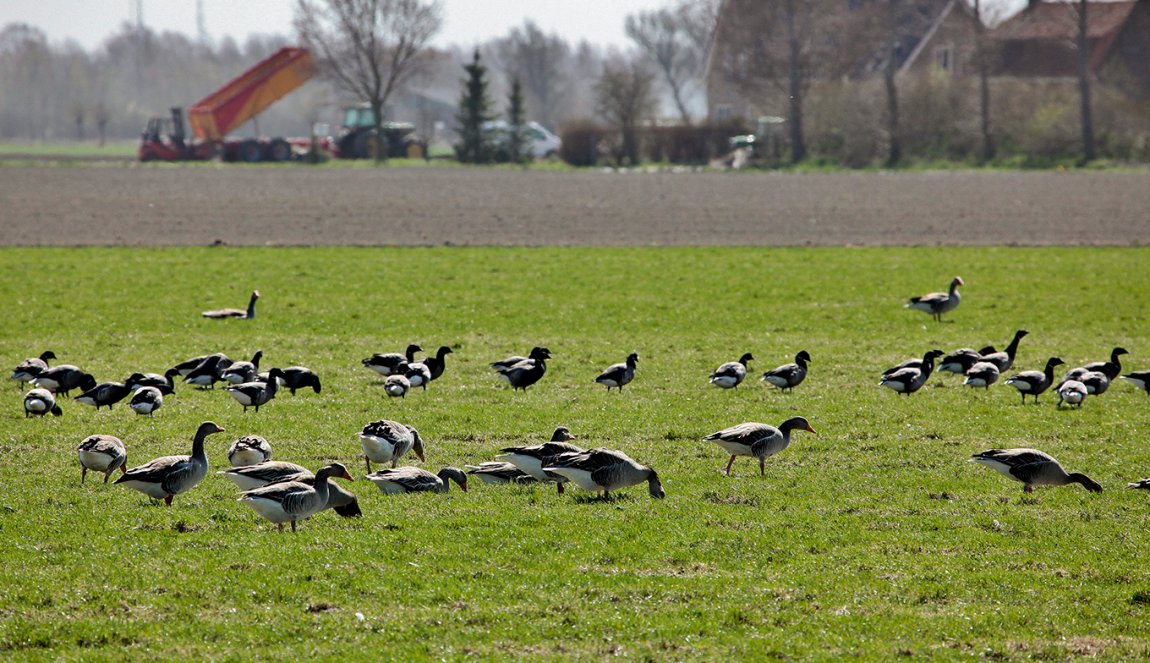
414,480
619,375
1096,381
188,365
105,394
300,377
1035,382
909,380
146,400
439,362
386,441
39,402
64,378
937,303
418,374
1111,369
209,371
397,385
960,360
531,459
523,374
1033,468
1140,379
1004,360
255,394
102,453
164,383
982,374
1072,392
732,373
789,376
499,472
388,364
249,450
28,369
244,314
168,476
248,477
605,470
243,371
757,440
292,501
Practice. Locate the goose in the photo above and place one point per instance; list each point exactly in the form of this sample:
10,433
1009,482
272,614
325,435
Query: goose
243,314
961,359
418,374
414,480
208,372
188,365
511,361
1096,382
248,477
388,364
397,385
1141,484
789,376
64,378
1035,382
605,470
531,459
255,394
164,383
523,374
937,303
1072,392
1111,369
619,375
243,371
1140,379
28,369
909,380
300,377
1033,468
292,501
499,472
146,400
102,453
439,362
1005,360
39,402
104,394
757,440
730,374
387,441
983,374
249,450
168,476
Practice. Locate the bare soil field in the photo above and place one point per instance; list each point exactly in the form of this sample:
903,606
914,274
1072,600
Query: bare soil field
122,205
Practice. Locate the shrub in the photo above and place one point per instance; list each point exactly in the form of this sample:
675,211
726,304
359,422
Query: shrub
582,141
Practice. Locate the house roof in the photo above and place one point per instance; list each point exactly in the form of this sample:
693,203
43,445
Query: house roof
1059,20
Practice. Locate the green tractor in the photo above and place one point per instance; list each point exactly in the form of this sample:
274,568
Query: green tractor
358,139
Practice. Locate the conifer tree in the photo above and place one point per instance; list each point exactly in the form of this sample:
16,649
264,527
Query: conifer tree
515,114
474,112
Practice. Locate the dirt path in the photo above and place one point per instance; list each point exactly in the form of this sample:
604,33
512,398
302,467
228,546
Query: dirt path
118,205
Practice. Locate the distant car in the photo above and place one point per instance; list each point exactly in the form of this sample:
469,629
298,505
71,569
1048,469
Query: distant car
538,142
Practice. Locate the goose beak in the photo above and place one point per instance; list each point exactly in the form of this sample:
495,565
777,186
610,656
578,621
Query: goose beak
811,430
422,459
347,475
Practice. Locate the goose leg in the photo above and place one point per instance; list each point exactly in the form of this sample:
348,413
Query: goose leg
559,487
368,461
168,499
83,473
729,464
1028,488
293,524
762,467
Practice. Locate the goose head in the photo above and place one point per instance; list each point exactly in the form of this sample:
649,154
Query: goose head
633,358
562,434
1117,352
417,444
1054,361
540,353
411,350
46,355
87,382
745,358
654,486
334,470
444,351
454,474
803,357
796,423
957,282
1087,483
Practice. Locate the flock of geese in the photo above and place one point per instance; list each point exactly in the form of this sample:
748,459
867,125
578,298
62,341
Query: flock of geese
283,492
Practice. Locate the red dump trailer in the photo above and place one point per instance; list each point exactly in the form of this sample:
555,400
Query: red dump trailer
221,112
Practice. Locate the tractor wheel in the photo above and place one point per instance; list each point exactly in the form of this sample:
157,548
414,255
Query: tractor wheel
365,145
279,150
249,151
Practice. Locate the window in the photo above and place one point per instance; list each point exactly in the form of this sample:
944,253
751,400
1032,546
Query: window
944,58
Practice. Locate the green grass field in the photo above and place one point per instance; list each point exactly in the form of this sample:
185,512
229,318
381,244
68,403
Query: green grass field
873,539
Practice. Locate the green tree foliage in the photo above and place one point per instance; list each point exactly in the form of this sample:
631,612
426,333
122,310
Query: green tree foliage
474,111
516,113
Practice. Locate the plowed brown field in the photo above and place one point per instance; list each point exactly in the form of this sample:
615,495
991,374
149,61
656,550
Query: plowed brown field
130,205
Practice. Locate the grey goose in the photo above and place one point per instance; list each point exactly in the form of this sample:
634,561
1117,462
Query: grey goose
102,453
937,303
386,441
250,477
249,450
605,470
415,480
293,501
1033,468
165,477
243,314
759,441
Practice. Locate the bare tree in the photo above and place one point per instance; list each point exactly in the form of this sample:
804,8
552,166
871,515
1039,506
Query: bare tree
1086,111
538,60
982,55
369,48
625,97
677,40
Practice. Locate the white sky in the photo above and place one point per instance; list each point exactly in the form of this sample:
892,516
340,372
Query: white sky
466,22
